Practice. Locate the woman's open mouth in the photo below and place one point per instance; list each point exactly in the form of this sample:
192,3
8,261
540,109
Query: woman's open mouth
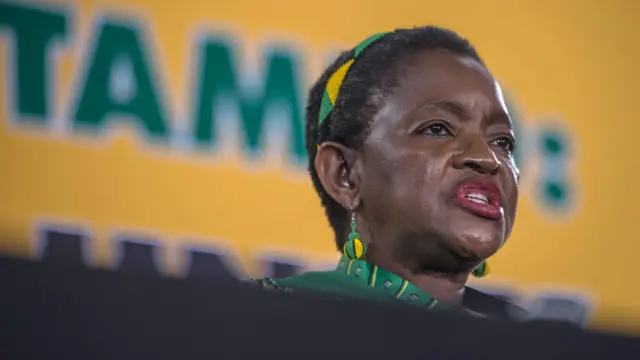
480,197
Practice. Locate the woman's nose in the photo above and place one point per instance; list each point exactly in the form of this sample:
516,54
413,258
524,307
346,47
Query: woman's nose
477,155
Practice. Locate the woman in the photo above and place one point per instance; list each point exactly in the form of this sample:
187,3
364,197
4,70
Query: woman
411,152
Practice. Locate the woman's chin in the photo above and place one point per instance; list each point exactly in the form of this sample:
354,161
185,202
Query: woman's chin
479,244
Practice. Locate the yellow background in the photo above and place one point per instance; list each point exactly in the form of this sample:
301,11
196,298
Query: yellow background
575,61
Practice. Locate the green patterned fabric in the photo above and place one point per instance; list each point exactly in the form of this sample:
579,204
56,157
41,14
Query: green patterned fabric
356,279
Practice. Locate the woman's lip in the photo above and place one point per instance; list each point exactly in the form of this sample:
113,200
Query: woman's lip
480,197
487,211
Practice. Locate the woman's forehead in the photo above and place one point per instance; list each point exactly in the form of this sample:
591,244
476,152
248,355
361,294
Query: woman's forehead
443,76
442,73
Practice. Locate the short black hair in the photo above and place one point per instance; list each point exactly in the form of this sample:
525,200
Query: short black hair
372,76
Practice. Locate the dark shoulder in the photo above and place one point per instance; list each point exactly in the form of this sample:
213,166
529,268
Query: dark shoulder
311,279
264,283
490,305
331,282
307,279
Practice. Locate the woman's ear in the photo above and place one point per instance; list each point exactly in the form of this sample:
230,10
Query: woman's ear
338,170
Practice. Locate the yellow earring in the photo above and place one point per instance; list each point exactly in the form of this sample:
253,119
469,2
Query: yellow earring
354,248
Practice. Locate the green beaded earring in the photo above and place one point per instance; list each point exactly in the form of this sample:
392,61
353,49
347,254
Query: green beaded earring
354,248
482,270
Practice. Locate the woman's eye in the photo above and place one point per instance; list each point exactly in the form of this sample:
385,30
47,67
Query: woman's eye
436,130
505,144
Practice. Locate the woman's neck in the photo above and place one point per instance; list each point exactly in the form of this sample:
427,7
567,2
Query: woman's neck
446,288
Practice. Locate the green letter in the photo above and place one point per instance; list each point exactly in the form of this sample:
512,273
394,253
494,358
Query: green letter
219,77
119,82
33,31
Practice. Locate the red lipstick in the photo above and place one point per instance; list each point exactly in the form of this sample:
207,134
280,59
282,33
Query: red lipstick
480,197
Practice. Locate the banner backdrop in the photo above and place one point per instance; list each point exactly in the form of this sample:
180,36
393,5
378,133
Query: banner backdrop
180,126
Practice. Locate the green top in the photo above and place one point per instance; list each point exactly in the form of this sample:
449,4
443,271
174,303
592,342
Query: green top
357,279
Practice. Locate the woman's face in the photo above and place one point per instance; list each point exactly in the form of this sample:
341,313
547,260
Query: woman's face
439,186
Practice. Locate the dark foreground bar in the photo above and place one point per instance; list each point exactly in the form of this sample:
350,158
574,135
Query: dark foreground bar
55,312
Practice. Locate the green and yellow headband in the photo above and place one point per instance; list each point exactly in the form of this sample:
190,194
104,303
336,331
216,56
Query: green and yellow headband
335,81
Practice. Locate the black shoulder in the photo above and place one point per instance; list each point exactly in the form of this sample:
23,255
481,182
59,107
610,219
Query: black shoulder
264,283
490,305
